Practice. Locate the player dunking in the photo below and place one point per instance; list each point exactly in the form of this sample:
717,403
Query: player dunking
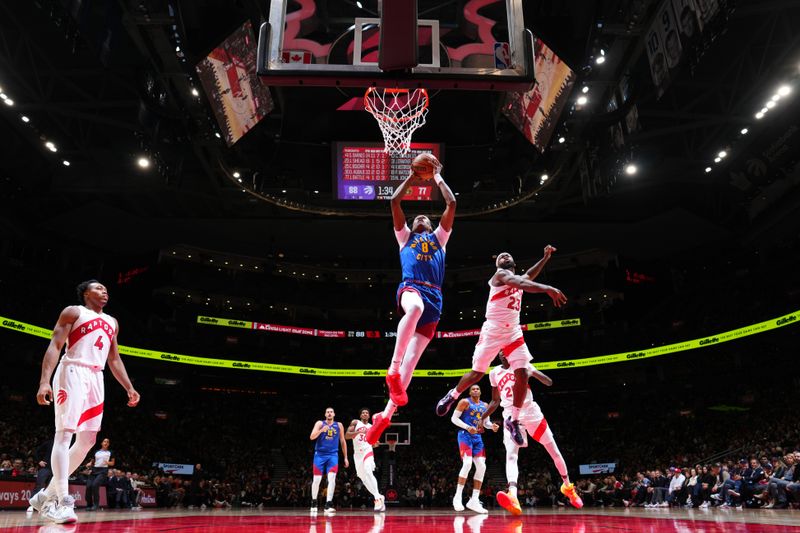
363,457
91,338
419,296
501,331
504,382
329,435
470,416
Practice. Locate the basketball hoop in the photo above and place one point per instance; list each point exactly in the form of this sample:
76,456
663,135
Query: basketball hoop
399,113
392,444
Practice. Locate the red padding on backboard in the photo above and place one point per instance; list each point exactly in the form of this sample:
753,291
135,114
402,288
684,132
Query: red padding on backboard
398,47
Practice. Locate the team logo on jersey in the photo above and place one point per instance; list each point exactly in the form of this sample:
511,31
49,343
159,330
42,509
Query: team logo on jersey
61,397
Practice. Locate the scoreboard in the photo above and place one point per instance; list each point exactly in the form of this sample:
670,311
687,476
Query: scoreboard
365,172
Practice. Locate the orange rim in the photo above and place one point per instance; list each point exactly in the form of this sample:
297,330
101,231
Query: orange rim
380,116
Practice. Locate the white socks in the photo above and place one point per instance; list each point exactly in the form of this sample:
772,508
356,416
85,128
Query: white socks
316,480
65,459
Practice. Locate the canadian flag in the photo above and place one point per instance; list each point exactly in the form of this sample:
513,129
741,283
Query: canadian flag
296,56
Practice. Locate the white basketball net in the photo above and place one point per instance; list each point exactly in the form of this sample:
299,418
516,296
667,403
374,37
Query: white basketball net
399,113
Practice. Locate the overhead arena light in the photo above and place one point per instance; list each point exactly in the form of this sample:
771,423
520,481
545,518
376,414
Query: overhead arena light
562,140
24,119
631,169
582,100
585,89
723,154
783,90
65,163
770,104
8,101
717,159
236,174
195,92
708,169
50,146
600,60
744,131
759,115
143,162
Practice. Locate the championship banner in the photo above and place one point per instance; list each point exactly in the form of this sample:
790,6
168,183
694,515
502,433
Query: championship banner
370,334
703,342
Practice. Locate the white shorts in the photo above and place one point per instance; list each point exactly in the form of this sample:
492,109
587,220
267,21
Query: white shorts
364,463
532,422
495,338
79,392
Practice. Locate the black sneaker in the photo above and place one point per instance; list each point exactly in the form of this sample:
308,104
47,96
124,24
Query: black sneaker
329,508
513,428
444,405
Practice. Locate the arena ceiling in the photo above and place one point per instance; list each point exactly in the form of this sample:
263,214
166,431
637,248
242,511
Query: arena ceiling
104,82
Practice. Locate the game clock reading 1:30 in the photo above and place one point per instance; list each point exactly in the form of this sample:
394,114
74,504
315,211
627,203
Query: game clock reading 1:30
365,172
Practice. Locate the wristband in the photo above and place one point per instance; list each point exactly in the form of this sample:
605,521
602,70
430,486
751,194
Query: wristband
438,179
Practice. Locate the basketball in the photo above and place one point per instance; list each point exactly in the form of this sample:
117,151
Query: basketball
425,166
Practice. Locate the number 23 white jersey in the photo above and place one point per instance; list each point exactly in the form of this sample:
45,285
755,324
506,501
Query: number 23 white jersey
503,305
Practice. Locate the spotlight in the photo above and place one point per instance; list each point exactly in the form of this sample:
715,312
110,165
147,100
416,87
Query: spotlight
582,100
50,146
195,92
783,90
708,169
9,101
744,131
562,140
358,5
236,174
585,89
759,115
723,154
775,97
65,163
24,119
544,177
217,135
3,96
764,110
284,191
600,60
717,159
631,169
770,104
316,192
177,48
143,162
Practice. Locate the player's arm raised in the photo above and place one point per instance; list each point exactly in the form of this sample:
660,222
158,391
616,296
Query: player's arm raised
534,271
344,445
60,333
456,418
398,217
449,214
117,368
317,429
351,430
522,283
494,404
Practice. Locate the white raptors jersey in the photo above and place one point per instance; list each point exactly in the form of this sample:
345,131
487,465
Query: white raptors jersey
503,379
503,305
360,445
89,340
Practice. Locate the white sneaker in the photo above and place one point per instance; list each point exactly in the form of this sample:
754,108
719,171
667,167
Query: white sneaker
458,505
37,501
663,504
63,513
704,505
474,504
380,504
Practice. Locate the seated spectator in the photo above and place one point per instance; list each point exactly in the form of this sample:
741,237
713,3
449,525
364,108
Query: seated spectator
676,487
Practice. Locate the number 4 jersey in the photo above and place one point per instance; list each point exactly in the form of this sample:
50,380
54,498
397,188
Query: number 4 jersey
89,341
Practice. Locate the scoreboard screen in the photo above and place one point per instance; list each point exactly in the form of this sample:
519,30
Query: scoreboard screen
365,172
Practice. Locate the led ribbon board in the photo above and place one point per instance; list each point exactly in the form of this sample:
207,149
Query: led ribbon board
719,338
370,334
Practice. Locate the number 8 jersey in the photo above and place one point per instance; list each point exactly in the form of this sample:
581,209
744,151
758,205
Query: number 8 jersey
89,341
503,305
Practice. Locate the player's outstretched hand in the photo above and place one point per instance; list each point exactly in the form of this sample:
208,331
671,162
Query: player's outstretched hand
133,398
45,394
557,296
548,250
495,427
346,463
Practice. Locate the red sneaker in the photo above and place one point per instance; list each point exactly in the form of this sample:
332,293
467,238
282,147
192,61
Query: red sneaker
379,425
396,392
509,503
